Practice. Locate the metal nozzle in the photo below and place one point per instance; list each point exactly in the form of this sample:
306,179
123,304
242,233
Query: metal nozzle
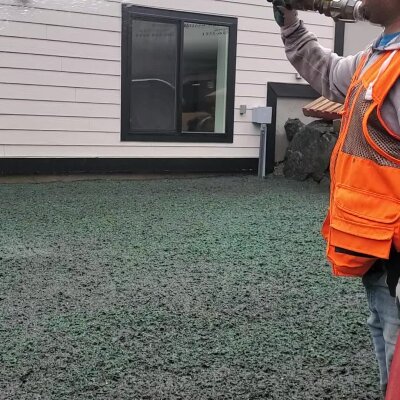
343,10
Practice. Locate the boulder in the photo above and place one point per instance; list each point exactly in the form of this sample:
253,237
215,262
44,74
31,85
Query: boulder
309,152
323,126
292,127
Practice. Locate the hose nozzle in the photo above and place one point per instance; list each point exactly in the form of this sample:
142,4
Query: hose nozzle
339,10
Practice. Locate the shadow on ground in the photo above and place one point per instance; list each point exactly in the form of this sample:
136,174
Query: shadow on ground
193,289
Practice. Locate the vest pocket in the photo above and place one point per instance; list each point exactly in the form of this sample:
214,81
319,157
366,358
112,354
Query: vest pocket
363,240
361,230
354,248
356,204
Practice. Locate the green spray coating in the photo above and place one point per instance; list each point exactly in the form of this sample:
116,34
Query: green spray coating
212,288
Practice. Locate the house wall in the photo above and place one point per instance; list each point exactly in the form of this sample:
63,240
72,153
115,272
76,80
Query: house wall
358,36
60,77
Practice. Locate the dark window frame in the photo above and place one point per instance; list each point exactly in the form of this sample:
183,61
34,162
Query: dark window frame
340,28
130,12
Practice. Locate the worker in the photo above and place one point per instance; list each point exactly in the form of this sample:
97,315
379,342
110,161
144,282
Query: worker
362,228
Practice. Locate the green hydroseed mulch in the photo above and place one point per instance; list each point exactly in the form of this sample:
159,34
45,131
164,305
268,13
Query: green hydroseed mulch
208,288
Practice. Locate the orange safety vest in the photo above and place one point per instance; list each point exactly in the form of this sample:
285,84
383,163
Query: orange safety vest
363,221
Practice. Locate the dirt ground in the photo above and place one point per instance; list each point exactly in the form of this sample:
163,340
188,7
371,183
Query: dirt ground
212,288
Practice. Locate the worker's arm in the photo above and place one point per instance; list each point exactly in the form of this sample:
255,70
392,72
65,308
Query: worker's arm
329,74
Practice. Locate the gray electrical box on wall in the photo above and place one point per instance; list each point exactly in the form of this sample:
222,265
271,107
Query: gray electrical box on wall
262,115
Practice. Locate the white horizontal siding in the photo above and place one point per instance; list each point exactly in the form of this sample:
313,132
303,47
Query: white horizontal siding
65,18
98,96
57,123
28,107
92,7
64,49
255,24
77,138
52,78
64,64
111,8
113,39
261,51
57,93
60,77
262,38
151,151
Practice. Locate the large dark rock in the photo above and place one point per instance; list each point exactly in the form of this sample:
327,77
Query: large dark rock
309,152
292,127
323,126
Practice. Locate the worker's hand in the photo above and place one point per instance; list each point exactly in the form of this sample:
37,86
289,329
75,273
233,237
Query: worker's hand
283,12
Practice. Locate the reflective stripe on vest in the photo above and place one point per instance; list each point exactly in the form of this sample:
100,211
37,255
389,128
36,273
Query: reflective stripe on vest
363,222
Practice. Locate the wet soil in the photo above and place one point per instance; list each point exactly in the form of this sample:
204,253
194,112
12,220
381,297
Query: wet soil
173,289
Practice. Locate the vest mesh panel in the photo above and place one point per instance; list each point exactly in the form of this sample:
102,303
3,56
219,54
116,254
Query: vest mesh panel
356,144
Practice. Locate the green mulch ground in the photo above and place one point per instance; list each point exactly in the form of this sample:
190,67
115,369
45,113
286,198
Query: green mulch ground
207,288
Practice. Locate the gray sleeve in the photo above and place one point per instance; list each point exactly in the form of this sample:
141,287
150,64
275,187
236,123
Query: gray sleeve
329,74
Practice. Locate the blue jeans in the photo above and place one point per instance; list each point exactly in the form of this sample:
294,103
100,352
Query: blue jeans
384,322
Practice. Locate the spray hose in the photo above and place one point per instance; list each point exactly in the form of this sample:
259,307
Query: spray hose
342,10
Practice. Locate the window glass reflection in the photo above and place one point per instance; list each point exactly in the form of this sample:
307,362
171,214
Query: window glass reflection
153,76
205,70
